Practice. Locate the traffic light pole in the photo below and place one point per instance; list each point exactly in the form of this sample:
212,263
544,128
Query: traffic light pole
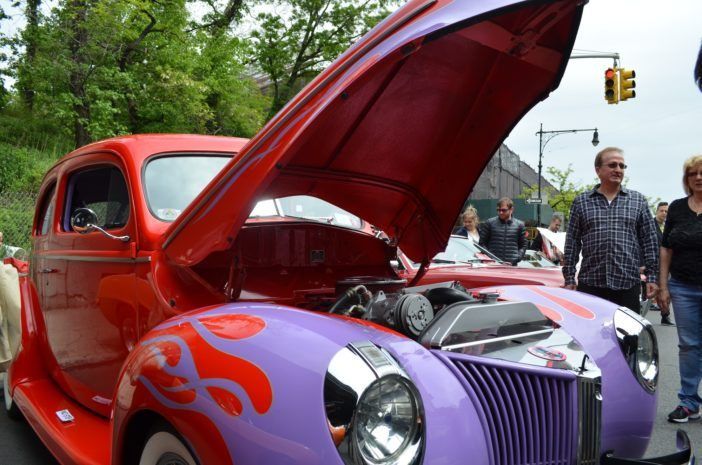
619,82
542,144
614,56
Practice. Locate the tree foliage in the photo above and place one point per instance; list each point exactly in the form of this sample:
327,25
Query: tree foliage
89,69
94,69
564,190
296,40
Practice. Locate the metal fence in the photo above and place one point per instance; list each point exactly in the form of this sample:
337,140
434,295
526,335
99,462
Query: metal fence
16,216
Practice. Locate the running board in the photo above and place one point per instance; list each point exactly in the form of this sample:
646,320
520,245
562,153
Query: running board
84,440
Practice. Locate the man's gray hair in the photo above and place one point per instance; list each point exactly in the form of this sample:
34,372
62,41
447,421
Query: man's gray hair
600,154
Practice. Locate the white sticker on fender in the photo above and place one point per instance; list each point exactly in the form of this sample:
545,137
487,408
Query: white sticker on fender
65,416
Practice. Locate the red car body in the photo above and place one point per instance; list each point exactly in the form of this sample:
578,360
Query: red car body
487,273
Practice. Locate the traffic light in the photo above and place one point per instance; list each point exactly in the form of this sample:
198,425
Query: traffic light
611,86
626,84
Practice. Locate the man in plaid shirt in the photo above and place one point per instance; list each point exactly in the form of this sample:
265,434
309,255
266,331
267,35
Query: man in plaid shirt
611,225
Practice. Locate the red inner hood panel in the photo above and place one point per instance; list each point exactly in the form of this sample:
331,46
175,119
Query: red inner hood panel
400,136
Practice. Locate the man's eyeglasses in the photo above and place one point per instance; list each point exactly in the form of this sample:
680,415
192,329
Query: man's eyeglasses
692,174
614,164
502,210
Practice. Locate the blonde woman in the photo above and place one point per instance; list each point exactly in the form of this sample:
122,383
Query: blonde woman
681,255
470,224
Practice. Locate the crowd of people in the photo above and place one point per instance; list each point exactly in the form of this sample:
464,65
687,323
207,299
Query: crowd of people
614,239
504,235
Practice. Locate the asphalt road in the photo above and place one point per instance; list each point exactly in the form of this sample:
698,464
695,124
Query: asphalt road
20,446
663,440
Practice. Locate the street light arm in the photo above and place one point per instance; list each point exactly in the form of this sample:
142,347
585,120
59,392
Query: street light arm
562,131
544,140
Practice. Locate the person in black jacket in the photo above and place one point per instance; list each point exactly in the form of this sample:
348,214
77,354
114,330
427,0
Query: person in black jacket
503,235
661,214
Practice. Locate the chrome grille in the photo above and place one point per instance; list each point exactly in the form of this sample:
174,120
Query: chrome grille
590,420
531,414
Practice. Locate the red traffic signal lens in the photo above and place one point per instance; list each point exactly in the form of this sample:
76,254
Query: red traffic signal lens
609,74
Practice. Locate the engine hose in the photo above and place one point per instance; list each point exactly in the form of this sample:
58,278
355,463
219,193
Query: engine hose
360,293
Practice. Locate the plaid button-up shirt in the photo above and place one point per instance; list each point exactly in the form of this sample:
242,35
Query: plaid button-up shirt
611,237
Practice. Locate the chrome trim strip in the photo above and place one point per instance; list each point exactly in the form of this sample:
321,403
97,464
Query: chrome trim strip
376,358
94,258
497,339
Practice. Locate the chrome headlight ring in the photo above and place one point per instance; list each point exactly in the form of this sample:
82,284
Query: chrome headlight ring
639,345
374,411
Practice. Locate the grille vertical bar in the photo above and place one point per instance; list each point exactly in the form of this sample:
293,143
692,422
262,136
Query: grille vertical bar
532,414
589,420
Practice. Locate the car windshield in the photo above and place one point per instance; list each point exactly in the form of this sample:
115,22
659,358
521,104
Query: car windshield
536,259
172,182
309,208
460,250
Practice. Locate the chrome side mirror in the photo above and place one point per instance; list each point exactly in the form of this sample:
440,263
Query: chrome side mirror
83,220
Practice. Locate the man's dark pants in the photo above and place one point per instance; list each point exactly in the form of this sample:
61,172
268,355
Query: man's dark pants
625,297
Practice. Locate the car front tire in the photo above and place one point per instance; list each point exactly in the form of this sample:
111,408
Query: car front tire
165,448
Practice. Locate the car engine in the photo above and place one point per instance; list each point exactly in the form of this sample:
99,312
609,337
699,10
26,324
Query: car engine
384,301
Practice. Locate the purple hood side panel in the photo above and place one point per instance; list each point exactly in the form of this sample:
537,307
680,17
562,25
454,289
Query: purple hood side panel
628,411
293,350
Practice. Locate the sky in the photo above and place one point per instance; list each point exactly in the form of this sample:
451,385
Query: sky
658,129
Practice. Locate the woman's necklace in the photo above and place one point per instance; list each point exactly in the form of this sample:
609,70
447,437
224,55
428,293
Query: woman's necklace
695,206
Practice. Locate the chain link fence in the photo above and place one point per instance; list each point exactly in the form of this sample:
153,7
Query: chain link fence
16,216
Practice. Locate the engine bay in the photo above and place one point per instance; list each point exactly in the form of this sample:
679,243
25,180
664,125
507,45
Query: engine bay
331,269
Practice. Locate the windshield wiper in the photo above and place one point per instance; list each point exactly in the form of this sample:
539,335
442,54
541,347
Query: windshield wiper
442,260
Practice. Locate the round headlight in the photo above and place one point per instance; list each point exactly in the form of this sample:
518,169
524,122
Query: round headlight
387,424
647,359
639,346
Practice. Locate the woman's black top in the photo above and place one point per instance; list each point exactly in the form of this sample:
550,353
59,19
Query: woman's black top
683,234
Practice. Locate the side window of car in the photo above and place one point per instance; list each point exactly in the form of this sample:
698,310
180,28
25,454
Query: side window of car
104,191
46,212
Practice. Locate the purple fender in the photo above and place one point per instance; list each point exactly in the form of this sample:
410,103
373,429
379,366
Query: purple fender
628,411
290,350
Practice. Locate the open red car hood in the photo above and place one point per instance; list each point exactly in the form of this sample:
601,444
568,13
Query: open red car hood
398,129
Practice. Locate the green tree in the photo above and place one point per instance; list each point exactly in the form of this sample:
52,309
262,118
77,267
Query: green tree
296,41
30,38
562,195
104,68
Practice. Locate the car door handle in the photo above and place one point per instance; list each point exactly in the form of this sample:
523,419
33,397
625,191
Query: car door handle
48,270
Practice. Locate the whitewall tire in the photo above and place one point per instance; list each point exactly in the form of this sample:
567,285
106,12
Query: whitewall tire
165,448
